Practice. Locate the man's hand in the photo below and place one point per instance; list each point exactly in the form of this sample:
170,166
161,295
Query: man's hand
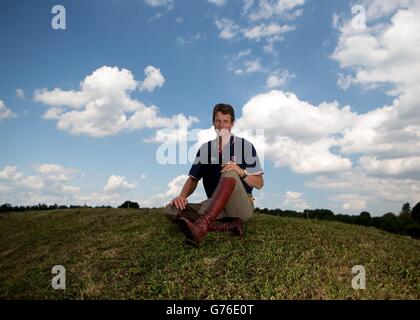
232,166
180,202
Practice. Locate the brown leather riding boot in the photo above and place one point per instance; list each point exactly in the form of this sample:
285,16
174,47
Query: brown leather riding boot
234,225
196,231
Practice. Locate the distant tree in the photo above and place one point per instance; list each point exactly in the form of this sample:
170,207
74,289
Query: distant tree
129,205
322,214
7,207
53,207
363,218
406,208
389,222
404,218
412,230
415,213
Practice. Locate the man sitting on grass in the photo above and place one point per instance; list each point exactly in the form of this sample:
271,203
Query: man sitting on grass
230,169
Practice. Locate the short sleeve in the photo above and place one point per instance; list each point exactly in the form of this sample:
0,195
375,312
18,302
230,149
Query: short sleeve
196,168
252,161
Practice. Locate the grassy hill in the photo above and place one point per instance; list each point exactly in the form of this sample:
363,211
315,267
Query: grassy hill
131,254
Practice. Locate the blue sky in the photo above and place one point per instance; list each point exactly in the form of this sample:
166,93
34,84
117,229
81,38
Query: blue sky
82,109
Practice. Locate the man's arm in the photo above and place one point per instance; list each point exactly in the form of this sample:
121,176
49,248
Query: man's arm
254,181
189,187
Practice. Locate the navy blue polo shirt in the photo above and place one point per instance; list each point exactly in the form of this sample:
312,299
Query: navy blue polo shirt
208,162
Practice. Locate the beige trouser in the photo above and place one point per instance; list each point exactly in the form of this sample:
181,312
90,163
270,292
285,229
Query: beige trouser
240,204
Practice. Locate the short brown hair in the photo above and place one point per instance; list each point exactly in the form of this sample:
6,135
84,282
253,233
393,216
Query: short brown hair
225,109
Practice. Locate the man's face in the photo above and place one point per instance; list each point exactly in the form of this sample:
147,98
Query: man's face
222,121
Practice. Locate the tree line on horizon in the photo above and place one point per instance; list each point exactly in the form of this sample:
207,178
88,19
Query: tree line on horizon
407,222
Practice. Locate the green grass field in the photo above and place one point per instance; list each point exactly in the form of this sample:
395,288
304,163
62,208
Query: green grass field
131,254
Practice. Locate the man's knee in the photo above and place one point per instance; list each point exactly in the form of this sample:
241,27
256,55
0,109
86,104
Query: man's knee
232,174
171,212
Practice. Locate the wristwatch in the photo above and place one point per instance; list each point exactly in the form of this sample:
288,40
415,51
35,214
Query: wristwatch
245,174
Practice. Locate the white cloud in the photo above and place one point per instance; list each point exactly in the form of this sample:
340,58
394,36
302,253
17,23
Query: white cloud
20,93
265,20
5,113
244,67
268,9
228,29
297,134
376,9
243,53
117,184
283,114
179,19
48,185
384,52
266,31
169,4
392,167
219,3
153,79
279,79
174,188
351,201
103,105
293,200
10,173
381,191
33,182
306,157
58,97
50,168
180,41
54,172
252,66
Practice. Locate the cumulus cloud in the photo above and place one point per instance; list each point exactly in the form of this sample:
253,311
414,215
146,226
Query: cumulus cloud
153,79
169,4
248,66
271,32
379,191
228,29
10,173
386,52
266,31
408,166
268,9
5,113
284,114
297,134
293,200
279,79
181,41
117,184
173,189
351,201
219,3
20,93
49,184
264,21
103,105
